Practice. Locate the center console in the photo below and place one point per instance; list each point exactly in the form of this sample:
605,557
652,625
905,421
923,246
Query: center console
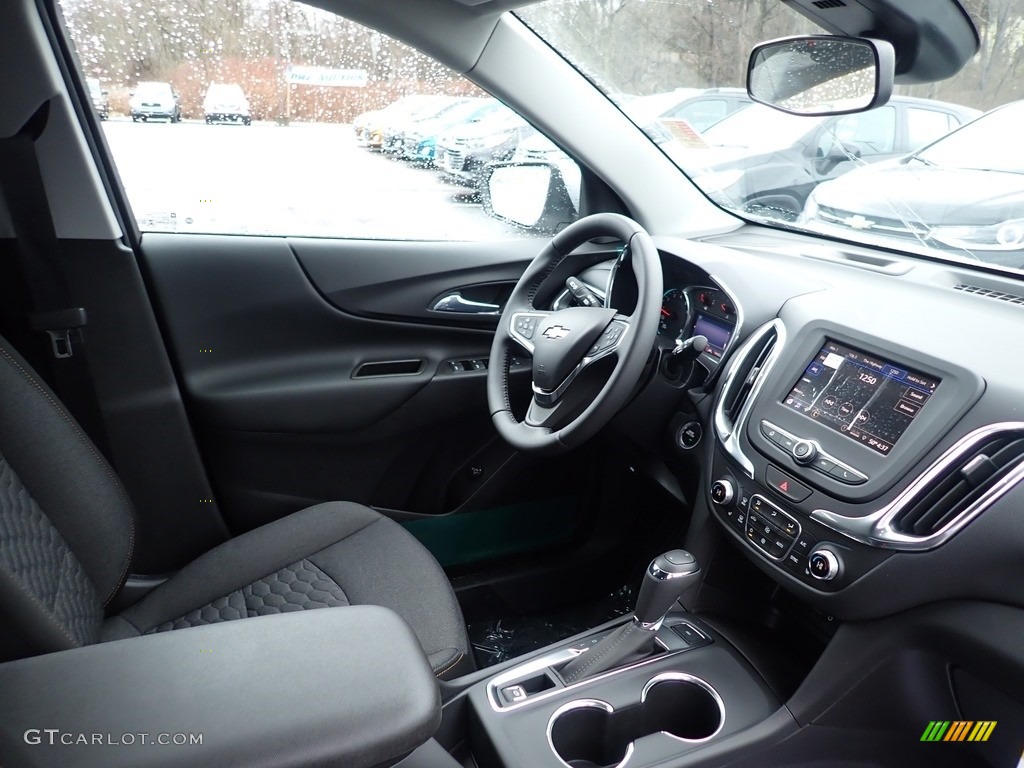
696,689
656,686
815,432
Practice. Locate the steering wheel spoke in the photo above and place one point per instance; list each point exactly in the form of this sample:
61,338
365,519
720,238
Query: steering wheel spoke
523,328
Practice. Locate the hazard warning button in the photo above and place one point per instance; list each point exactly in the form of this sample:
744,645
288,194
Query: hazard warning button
786,486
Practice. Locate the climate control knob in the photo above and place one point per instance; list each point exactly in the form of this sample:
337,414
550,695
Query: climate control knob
824,564
804,451
722,492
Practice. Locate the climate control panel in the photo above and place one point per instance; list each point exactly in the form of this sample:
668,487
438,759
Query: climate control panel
782,536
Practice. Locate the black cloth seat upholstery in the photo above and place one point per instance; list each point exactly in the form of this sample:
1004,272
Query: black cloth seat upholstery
67,535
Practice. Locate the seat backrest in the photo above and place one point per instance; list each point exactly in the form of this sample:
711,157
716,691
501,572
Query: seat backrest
66,524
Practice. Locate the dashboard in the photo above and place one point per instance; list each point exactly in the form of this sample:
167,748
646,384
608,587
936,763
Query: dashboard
854,420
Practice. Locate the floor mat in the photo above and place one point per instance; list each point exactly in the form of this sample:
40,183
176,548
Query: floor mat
505,638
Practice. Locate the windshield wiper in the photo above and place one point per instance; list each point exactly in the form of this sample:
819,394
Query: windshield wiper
919,159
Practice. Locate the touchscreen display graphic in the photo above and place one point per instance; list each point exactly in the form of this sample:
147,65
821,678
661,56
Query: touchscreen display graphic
715,332
863,397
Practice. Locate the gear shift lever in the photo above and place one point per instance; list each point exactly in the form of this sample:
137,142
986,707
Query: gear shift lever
666,578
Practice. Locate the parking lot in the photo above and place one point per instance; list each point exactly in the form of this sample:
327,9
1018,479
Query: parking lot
302,179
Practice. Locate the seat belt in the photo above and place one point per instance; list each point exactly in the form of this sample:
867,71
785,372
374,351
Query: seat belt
52,310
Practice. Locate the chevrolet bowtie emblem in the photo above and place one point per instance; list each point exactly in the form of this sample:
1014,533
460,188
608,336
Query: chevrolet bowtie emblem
858,222
556,332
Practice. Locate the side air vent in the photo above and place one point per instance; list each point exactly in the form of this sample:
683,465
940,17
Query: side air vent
748,371
977,290
824,4
953,491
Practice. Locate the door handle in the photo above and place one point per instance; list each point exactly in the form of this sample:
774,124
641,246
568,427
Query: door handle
456,302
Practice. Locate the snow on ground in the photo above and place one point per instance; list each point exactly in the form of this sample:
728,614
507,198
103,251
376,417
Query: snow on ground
304,179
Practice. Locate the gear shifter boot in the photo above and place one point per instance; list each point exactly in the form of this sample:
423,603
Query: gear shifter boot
621,646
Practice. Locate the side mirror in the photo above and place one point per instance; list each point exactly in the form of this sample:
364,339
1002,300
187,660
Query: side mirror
533,196
822,74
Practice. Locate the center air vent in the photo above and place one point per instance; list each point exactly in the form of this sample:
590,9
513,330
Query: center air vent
953,492
824,4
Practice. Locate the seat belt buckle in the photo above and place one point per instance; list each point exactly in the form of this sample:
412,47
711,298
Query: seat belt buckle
58,326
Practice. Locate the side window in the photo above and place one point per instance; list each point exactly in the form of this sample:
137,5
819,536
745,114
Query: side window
702,114
926,125
868,133
277,118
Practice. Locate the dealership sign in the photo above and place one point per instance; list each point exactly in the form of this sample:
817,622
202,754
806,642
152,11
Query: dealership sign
352,78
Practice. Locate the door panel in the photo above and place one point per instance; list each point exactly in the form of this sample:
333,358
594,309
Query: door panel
274,371
404,279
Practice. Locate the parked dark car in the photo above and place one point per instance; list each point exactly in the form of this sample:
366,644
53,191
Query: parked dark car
98,96
393,134
421,135
963,193
464,152
761,159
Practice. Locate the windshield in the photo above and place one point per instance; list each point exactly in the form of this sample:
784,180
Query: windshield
982,145
854,177
759,128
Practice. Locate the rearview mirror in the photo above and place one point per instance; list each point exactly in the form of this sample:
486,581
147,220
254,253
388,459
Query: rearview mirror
529,195
822,74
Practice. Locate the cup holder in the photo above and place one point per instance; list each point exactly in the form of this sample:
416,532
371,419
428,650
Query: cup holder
590,733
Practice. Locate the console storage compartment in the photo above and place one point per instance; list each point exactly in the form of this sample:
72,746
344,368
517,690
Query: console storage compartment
347,687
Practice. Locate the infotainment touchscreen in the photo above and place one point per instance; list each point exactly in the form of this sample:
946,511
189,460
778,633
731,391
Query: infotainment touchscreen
864,397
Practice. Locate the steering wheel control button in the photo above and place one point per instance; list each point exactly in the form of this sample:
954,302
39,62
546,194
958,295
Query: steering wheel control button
804,451
823,565
786,486
847,475
608,339
722,492
526,326
689,435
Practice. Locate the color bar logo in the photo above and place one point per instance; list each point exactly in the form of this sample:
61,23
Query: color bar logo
958,730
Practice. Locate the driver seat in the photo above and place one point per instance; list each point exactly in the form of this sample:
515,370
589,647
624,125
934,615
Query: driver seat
67,536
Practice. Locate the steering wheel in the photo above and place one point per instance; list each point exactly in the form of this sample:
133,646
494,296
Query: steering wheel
566,407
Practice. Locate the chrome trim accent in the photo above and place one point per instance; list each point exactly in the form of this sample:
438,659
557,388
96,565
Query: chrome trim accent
876,529
729,436
728,494
687,678
656,573
547,397
738,328
552,659
834,565
456,302
583,704
648,626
